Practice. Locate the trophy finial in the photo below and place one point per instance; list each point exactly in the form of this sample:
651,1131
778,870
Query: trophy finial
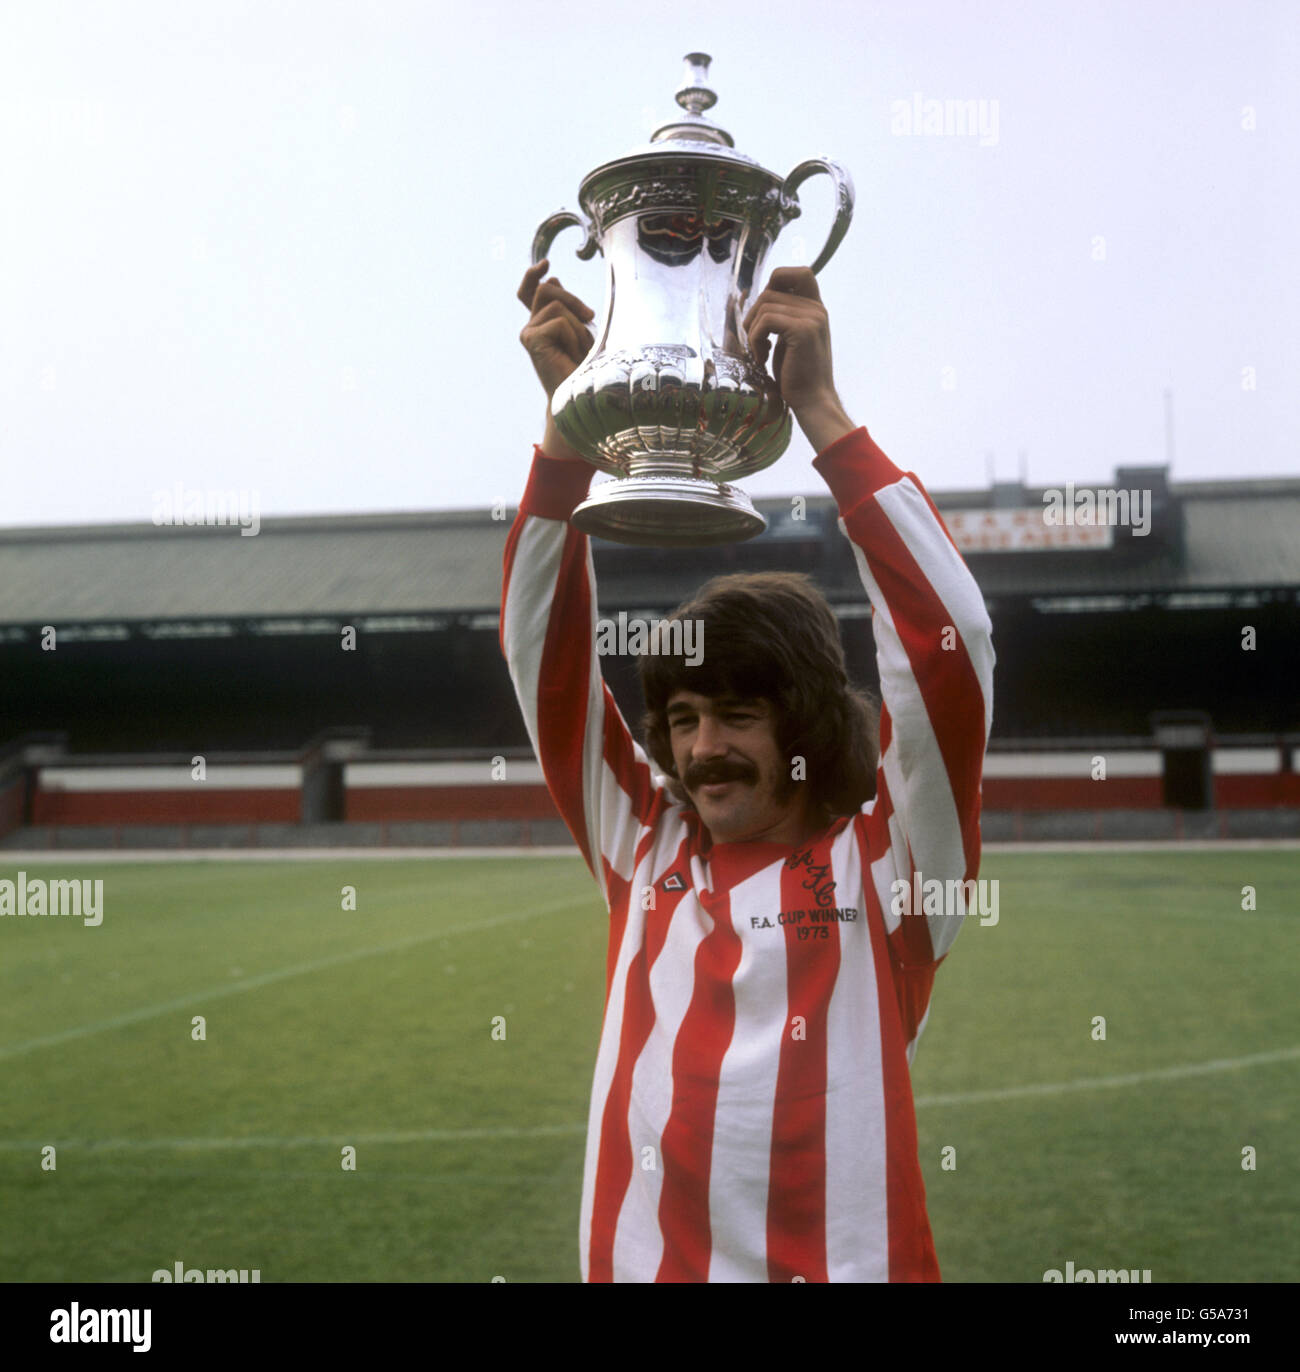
695,95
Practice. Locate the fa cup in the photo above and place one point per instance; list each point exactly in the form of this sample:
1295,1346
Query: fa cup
670,399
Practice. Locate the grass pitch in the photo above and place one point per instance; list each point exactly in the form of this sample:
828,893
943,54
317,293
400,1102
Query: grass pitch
372,1028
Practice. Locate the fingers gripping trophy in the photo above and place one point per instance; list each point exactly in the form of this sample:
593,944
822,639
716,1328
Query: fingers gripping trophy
669,390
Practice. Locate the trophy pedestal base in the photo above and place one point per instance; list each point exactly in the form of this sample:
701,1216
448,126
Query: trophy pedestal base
668,512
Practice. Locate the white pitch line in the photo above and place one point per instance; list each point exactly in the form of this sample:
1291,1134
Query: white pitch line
1056,1088
1194,1069
334,1141
269,978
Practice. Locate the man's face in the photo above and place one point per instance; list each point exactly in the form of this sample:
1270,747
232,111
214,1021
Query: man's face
727,758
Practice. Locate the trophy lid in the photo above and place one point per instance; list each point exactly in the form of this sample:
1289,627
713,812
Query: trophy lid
690,133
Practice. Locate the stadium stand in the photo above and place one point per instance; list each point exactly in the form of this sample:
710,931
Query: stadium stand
336,680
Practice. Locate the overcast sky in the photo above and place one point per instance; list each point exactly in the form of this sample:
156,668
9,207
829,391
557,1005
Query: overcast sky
274,247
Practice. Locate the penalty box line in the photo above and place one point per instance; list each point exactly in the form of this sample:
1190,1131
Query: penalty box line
1194,1069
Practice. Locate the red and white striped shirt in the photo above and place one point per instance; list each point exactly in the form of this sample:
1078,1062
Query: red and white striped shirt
751,1114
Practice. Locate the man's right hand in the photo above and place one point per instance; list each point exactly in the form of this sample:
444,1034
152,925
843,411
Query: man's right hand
554,337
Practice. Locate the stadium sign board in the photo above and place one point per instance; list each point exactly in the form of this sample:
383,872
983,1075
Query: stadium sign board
1021,530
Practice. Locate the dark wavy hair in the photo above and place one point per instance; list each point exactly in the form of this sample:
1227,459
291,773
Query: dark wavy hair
772,636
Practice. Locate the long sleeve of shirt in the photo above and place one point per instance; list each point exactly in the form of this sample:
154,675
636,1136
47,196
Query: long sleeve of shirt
934,651
751,1114
597,774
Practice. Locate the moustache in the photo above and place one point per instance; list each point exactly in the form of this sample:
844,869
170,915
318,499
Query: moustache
719,770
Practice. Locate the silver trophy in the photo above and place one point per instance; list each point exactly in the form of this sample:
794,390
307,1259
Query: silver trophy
670,399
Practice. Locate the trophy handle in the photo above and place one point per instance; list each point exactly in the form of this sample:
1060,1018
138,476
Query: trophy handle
564,219
843,201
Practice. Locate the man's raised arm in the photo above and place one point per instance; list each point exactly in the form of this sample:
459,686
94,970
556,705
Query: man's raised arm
597,774
934,651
